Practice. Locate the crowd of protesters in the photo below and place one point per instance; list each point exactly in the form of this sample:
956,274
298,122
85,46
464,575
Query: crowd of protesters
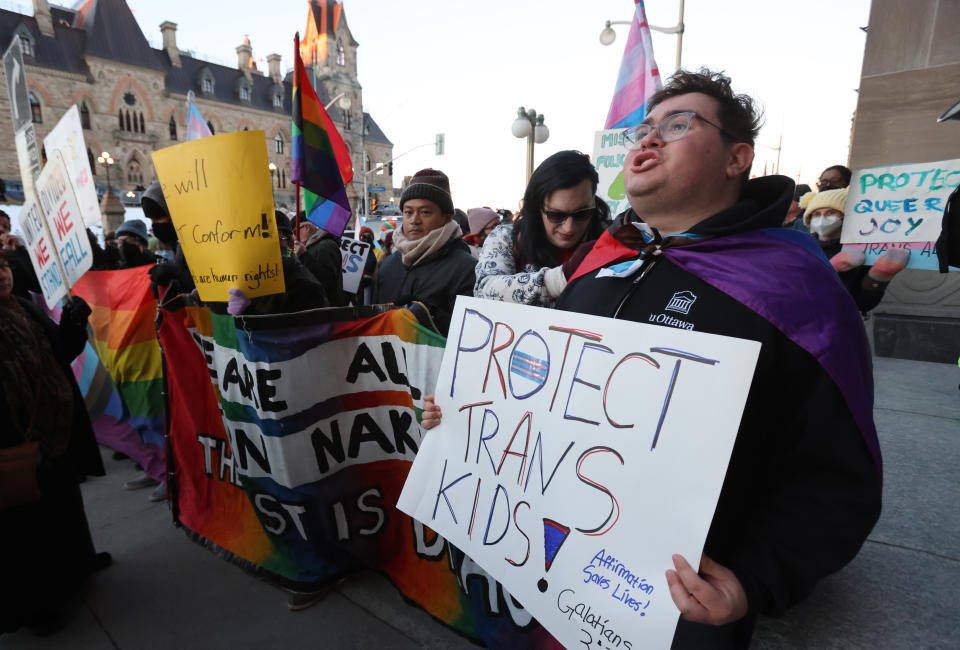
795,506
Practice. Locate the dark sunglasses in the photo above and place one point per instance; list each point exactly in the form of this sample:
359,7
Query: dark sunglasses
558,218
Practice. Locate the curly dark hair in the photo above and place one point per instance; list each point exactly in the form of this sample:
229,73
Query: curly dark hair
739,114
562,170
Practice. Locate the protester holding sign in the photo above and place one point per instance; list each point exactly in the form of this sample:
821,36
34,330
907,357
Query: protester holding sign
529,261
45,442
824,216
24,277
302,290
432,264
321,256
702,248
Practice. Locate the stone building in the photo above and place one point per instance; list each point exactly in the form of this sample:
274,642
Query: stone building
911,75
132,97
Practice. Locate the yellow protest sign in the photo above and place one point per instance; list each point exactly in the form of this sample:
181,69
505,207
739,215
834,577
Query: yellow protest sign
220,198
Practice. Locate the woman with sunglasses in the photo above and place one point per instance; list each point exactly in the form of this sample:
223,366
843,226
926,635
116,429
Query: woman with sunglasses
524,262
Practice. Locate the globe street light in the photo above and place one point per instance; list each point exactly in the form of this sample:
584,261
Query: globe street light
107,162
608,36
529,124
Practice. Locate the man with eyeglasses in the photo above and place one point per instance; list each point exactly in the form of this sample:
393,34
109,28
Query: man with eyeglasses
802,489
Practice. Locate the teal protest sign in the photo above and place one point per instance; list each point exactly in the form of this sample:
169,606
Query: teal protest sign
899,206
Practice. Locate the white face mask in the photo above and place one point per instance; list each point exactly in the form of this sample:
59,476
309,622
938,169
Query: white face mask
825,226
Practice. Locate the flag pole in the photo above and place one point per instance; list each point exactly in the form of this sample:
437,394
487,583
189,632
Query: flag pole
296,215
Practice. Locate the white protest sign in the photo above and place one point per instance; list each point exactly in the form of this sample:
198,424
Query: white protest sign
28,157
59,206
66,142
898,203
353,253
40,247
609,152
576,455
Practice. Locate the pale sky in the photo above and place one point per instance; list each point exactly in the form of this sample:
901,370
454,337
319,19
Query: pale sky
462,68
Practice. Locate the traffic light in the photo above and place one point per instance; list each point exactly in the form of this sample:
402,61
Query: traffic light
373,205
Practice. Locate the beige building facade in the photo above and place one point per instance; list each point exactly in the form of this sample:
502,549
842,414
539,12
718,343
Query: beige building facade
133,98
911,76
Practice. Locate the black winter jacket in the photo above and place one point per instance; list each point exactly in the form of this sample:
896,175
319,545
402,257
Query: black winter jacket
802,490
436,281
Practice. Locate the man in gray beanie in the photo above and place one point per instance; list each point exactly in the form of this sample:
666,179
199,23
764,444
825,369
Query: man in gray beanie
431,263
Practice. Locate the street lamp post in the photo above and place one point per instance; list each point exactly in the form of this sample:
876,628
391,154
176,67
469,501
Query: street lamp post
107,162
529,124
608,36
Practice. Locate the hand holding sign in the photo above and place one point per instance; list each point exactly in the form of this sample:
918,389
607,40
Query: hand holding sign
554,462
221,203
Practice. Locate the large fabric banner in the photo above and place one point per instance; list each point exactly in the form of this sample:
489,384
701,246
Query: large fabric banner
120,371
292,436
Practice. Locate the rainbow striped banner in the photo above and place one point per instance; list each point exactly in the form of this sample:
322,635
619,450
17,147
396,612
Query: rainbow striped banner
292,436
639,77
120,371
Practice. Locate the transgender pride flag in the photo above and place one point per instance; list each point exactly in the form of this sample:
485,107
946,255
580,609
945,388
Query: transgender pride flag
196,126
639,77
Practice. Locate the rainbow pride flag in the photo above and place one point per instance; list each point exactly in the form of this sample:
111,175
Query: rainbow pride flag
639,77
129,394
320,161
292,436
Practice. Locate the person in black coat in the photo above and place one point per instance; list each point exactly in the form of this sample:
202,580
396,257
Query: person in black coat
432,264
45,544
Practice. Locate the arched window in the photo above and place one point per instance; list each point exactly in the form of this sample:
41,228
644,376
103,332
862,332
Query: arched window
143,128
346,121
278,101
279,142
26,45
341,57
173,128
35,111
120,118
244,93
210,126
206,85
283,179
91,159
134,174
128,122
84,115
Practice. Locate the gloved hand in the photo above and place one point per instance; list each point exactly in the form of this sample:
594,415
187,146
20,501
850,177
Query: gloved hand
847,260
163,274
889,264
238,302
76,310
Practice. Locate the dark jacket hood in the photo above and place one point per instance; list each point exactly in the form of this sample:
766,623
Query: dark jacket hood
153,203
763,204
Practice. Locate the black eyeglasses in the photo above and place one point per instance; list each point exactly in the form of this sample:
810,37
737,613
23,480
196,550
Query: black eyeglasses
830,183
671,128
557,217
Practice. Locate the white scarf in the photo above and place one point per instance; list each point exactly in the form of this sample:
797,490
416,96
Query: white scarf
414,252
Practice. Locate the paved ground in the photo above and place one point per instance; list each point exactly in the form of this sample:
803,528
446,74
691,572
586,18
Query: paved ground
902,591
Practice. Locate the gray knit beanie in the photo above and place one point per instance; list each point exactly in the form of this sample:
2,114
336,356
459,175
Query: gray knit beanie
432,185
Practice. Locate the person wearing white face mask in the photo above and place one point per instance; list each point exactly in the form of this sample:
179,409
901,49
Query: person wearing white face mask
824,215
